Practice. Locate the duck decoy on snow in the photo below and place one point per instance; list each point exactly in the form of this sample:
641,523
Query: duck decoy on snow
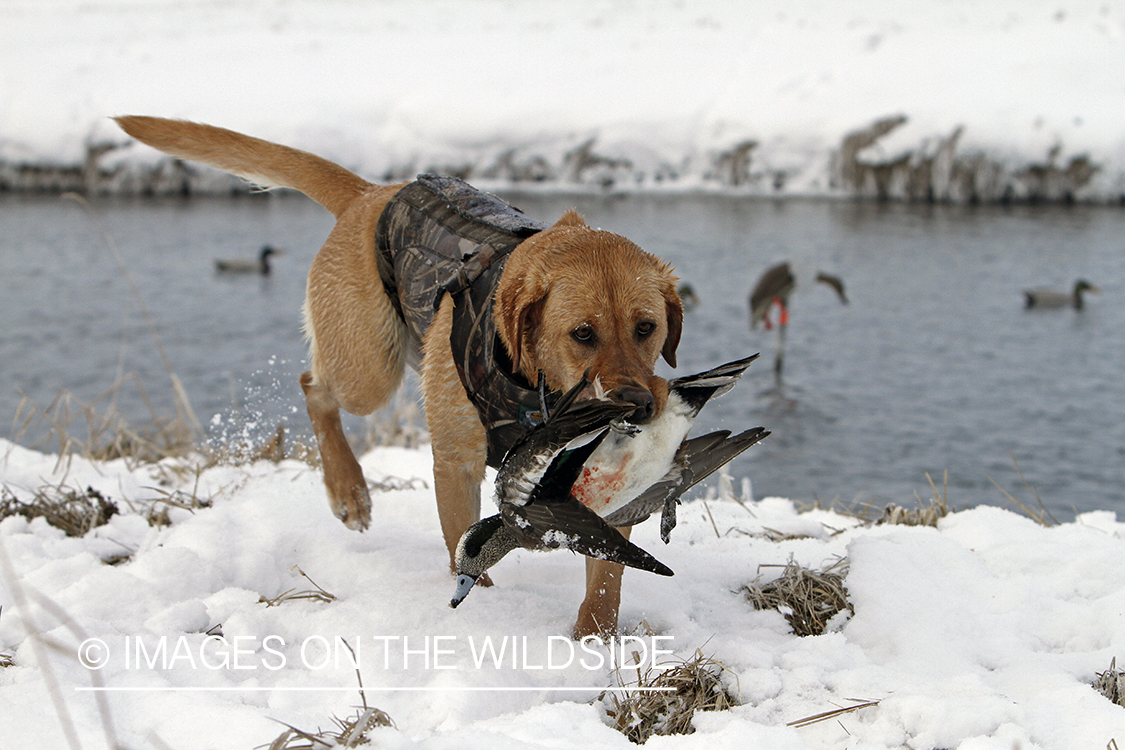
1049,298
774,287
587,470
261,265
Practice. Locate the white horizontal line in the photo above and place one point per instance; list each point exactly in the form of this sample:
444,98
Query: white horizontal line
366,689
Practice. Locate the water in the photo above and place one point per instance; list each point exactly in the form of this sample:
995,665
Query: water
933,367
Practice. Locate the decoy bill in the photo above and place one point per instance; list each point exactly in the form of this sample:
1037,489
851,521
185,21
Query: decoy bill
1050,298
587,470
261,265
774,287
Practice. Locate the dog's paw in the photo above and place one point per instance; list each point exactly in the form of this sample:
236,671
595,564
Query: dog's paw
354,509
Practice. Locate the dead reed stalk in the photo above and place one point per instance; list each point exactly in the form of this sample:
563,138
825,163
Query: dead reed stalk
1111,684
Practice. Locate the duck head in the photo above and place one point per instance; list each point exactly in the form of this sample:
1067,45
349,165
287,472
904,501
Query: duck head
483,545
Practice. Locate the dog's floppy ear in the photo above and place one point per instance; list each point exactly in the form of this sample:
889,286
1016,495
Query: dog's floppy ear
520,305
675,310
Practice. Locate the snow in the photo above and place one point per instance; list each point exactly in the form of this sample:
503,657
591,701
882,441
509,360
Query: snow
652,95
985,632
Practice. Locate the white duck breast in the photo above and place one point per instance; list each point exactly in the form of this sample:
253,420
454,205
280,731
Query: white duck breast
628,463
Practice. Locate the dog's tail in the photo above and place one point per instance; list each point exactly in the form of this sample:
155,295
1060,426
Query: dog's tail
260,162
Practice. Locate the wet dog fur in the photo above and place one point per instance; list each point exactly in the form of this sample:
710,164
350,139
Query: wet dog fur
571,299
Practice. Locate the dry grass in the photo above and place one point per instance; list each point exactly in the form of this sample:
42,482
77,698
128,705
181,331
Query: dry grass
98,431
348,732
351,732
926,514
807,598
76,512
73,511
1111,684
834,713
155,510
1042,516
693,685
317,593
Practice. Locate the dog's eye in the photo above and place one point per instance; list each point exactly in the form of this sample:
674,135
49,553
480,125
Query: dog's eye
644,328
583,334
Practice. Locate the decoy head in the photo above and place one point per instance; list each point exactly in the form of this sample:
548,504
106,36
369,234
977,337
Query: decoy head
267,251
481,546
1081,286
835,282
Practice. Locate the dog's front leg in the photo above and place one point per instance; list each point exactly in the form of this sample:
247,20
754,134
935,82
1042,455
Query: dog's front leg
456,433
598,613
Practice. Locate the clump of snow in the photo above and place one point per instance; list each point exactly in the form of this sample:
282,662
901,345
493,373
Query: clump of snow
985,632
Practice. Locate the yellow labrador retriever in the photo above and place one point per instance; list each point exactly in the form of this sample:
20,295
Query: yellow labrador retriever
557,300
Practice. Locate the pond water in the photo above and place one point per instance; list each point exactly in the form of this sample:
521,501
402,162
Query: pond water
934,366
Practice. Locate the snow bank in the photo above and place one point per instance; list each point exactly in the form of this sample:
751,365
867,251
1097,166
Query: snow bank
1013,99
984,632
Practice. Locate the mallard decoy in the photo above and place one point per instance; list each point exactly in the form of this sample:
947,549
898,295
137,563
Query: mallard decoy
774,287
261,265
587,470
1049,298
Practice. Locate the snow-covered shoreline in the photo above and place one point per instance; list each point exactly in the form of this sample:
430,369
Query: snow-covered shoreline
1007,101
985,632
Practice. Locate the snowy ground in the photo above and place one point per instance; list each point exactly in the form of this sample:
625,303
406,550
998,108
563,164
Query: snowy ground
650,95
985,632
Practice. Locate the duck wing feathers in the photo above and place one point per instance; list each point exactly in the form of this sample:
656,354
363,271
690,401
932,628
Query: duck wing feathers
696,460
696,390
570,524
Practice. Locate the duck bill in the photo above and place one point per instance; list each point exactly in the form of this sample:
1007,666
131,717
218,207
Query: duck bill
464,585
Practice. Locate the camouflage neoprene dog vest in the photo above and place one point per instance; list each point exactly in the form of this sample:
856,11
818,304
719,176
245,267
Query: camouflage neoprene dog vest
439,235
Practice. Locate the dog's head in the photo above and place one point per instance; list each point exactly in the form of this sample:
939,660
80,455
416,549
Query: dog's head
573,299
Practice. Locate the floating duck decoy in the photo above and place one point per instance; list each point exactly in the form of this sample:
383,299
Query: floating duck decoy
261,265
586,470
1049,298
774,287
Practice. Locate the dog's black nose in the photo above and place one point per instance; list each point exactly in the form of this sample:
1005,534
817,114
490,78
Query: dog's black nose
641,398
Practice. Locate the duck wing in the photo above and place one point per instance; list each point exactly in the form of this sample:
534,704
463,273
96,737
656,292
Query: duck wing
696,390
572,525
696,460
